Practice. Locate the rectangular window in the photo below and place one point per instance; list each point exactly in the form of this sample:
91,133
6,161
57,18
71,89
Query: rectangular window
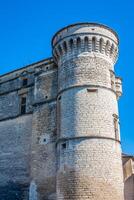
24,82
23,105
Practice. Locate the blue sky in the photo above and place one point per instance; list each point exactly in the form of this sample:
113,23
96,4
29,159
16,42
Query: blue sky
27,27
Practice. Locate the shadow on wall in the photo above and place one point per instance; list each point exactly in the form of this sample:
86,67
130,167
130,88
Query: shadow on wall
13,191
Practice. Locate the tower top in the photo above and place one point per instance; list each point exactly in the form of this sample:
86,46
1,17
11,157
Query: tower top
87,28
91,38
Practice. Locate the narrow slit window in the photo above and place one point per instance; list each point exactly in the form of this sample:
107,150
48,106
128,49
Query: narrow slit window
23,105
59,98
44,140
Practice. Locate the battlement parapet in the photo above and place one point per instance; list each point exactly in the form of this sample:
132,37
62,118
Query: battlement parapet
84,39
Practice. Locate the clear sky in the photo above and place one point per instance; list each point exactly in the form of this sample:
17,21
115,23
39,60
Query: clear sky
27,27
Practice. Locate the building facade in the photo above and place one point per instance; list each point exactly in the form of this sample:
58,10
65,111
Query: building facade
59,122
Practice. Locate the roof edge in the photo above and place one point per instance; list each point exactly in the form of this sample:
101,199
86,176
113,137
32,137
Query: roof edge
30,65
127,155
84,23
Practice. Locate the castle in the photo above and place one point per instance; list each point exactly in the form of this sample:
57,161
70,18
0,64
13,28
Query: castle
59,123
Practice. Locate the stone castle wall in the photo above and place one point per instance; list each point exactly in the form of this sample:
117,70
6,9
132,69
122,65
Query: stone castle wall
43,150
22,134
65,145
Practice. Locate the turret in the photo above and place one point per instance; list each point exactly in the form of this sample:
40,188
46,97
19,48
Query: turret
88,143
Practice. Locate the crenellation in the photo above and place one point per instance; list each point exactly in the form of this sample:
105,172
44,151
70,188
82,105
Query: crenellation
89,44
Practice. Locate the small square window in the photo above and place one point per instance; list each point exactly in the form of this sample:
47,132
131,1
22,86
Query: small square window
44,140
64,146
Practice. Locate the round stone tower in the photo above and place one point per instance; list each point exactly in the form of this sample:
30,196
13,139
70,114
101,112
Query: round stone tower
88,141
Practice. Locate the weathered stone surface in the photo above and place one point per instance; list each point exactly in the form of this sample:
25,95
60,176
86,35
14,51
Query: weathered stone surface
15,137
89,153
66,145
129,188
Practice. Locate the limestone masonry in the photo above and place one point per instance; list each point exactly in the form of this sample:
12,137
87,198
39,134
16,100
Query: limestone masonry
59,123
